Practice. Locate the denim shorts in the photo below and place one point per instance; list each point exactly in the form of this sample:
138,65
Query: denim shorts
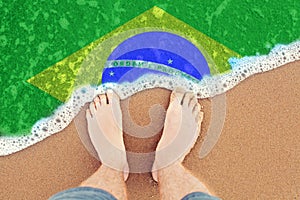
89,193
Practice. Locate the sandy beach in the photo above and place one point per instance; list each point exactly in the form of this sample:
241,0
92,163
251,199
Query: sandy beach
256,157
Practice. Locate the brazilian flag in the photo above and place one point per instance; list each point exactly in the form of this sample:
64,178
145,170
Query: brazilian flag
43,43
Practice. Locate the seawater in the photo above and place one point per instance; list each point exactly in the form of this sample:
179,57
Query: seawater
209,86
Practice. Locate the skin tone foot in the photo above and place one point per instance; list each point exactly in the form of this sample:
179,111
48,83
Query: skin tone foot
181,130
104,119
182,127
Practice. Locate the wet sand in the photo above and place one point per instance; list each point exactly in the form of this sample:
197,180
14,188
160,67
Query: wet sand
256,157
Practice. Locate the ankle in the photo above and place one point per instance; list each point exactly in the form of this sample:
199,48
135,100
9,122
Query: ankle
174,167
107,171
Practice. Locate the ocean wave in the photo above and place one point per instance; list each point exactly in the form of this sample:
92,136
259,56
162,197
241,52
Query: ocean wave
209,86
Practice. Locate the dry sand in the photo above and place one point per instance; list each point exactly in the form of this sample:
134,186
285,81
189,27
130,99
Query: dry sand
256,157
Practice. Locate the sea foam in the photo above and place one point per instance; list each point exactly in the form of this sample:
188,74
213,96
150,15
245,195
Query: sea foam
209,86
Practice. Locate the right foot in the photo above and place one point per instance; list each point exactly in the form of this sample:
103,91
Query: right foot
181,129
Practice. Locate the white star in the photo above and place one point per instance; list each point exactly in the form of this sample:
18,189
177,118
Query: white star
170,61
111,73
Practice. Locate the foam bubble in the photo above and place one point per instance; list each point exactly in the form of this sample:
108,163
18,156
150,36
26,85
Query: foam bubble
209,86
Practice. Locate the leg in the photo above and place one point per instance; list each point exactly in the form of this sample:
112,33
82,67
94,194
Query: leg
109,180
176,182
183,120
105,183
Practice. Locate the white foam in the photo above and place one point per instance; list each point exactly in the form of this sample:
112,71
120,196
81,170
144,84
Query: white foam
209,86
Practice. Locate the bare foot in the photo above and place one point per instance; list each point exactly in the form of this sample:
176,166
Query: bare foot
104,119
181,129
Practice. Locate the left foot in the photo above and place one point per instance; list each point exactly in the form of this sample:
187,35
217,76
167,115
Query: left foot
104,119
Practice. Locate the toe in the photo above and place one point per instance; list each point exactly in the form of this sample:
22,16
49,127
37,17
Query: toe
92,108
196,108
198,113
112,96
88,114
103,99
97,102
177,95
187,99
199,118
193,102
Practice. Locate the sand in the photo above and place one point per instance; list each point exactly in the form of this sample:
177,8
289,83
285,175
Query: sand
256,157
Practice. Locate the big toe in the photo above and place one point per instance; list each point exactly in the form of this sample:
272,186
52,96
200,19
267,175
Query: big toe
189,99
103,99
196,108
112,97
177,95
